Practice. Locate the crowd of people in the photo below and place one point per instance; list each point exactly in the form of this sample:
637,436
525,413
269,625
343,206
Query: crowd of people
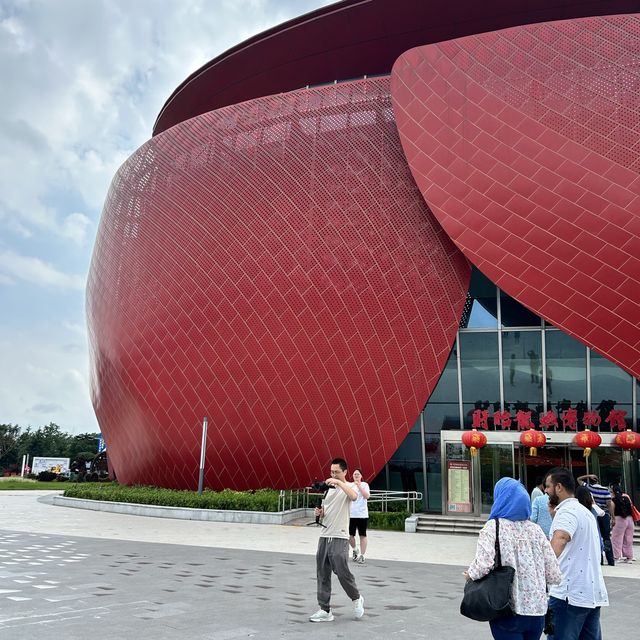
555,538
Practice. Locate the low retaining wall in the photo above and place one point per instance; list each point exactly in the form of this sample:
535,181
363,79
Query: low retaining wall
183,513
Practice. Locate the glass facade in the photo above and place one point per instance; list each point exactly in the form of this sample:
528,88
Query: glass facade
509,370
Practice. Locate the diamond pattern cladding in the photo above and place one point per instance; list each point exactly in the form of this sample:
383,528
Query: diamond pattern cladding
271,265
525,144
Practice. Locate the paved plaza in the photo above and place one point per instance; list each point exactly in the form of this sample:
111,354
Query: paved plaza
79,574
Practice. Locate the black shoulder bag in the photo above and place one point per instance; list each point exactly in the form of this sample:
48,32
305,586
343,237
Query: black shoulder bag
489,597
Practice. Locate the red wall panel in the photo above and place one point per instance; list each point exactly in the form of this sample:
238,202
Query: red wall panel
271,265
524,143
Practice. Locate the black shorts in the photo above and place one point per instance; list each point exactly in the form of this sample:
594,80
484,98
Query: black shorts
360,524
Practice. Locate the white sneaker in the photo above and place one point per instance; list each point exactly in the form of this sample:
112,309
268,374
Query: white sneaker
360,559
322,616
358,607
354,554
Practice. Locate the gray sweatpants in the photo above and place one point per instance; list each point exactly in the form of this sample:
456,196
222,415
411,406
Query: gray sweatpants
332,556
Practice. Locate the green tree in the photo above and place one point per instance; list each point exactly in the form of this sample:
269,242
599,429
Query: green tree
49,441
9,439
82,443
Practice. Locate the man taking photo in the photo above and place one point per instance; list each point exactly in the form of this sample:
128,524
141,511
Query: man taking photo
334,542
575,603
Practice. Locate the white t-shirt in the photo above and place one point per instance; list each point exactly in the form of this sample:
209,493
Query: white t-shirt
582,582
336,514
359,508
536,493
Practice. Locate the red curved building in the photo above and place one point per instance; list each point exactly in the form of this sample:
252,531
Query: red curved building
290,253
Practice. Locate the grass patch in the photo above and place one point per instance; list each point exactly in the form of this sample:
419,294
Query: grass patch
14,484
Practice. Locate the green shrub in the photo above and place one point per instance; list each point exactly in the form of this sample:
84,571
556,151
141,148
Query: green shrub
391,521
395,506
47,476
261,500
61,478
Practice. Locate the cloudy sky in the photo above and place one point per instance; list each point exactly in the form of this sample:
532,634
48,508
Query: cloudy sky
82,82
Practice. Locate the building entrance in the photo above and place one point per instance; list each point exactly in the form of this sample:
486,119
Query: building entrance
469,481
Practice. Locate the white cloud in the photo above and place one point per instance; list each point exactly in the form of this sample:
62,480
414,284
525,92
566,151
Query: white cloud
74,227
36,271
42,382
82,83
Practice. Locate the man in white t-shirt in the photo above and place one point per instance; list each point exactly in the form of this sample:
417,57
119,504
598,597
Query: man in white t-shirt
538,490
576,601
333,544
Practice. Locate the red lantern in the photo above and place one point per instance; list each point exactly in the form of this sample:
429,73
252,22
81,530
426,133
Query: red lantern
475,440
533,439
628,439
588,440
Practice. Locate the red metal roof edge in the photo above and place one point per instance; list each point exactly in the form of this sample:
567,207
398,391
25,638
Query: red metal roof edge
367,36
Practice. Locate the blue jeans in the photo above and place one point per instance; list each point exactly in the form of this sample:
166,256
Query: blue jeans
517,628
574,623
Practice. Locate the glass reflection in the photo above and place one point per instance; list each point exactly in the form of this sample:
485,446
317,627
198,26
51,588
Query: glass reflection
480,372
610,391
522,367
480,313
442,410
566,371
481,309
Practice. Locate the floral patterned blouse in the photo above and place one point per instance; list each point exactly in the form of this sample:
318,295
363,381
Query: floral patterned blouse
524,547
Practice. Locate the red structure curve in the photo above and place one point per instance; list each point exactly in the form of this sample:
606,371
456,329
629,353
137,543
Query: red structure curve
273,266
366,38
525,144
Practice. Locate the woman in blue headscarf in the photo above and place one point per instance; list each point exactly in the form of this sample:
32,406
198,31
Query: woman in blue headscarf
524,547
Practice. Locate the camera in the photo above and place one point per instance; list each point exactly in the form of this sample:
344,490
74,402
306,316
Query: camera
318,486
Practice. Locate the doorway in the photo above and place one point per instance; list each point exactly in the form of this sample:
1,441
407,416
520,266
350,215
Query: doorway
605,462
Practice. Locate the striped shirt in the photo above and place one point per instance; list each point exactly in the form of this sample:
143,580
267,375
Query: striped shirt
601,495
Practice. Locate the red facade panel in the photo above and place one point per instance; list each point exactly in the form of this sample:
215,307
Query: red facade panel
540,125
261,265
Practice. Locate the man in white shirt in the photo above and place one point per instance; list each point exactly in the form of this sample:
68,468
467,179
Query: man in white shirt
576,601
333,544
538,490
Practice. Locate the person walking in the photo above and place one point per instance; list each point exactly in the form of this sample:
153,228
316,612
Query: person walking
334,543
575,603
585,498
538,490
540,513
601,495
622,532
359,517
524,547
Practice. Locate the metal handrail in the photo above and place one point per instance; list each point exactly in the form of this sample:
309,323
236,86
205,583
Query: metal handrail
300,498
384,497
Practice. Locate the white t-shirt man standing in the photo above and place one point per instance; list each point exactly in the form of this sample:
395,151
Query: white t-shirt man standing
576,601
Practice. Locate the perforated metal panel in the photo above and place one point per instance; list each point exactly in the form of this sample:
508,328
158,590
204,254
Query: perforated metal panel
525,144
271,265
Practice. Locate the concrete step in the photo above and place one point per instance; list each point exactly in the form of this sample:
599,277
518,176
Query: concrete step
470,525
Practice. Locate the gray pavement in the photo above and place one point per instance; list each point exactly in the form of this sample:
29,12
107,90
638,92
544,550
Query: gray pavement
204,581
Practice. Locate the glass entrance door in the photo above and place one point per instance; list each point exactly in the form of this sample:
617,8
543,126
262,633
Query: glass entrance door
605,462
496,461
530,468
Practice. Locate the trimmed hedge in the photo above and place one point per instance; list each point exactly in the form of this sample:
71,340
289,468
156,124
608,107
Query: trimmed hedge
391,521
260,500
